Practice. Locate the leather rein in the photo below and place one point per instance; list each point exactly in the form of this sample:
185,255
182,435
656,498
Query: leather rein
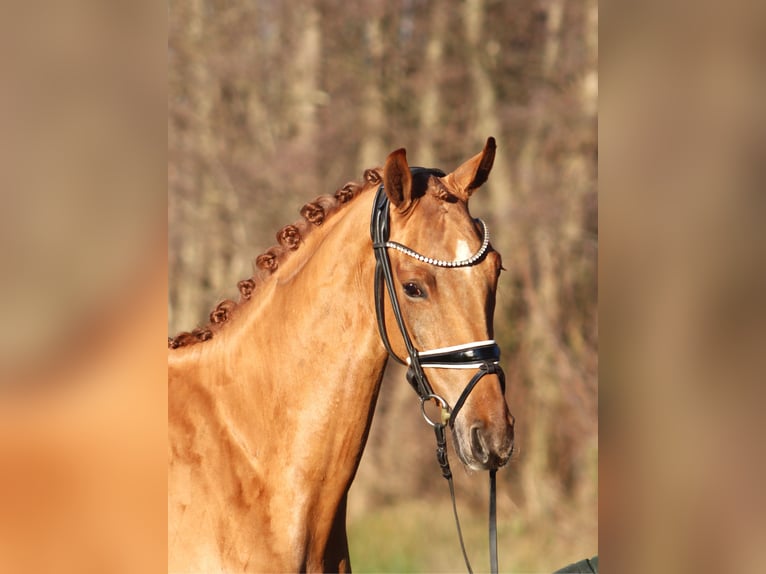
484,356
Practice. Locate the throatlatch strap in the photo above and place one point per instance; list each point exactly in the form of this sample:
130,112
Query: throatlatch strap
385,279
380,311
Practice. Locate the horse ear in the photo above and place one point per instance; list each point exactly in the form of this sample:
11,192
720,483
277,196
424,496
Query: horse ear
397,180
474,172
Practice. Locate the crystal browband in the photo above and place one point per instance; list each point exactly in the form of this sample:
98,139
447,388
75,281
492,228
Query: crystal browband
440,262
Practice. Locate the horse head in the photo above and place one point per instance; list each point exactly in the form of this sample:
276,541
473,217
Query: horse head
445,276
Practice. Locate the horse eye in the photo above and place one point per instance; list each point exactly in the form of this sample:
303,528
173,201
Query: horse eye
413,290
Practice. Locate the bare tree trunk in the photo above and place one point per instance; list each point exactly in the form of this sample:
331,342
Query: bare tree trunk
539,291
430,103
303,92
372,151
541,493
487,120
194,247
548,268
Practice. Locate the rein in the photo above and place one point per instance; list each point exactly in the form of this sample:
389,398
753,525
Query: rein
481,355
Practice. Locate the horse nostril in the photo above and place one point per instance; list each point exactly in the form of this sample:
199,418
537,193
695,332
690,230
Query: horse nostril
478,444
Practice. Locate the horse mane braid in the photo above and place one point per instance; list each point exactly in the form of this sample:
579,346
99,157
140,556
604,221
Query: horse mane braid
289,239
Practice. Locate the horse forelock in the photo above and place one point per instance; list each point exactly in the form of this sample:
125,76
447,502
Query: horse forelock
290,238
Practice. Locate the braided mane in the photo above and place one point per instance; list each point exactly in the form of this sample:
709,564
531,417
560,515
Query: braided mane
289,239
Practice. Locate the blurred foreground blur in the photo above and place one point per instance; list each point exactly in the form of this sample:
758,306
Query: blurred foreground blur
682,283
83,289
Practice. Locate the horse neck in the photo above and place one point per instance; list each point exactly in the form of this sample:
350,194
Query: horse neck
314,334
296,378
273,412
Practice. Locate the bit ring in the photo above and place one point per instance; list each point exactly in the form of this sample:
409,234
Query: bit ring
445,409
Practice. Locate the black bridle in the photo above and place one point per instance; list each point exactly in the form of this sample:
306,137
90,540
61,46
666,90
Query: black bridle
484,356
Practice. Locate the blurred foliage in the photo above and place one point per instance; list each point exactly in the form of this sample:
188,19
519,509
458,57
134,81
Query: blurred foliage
271,104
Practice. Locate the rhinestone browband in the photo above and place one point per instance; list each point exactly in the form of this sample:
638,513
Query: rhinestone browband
441,263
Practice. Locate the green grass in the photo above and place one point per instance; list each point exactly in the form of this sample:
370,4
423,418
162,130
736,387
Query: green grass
417,536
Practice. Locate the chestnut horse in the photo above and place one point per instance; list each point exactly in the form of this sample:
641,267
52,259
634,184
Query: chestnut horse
270,405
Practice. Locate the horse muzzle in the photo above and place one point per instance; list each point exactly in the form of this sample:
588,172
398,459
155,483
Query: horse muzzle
484,433
485,446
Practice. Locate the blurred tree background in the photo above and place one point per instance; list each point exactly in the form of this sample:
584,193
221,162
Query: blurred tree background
272,103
